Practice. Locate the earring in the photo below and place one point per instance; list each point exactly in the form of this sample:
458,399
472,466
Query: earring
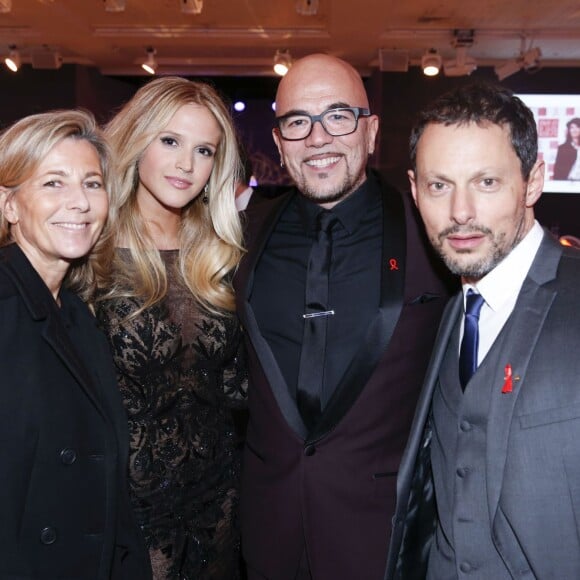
205,197
281,164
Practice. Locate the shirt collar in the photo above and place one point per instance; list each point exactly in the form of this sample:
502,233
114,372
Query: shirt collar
506,279
350,211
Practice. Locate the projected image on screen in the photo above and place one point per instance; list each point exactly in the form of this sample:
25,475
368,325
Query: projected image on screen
558,121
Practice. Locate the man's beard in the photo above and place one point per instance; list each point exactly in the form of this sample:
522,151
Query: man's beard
480,268
334,195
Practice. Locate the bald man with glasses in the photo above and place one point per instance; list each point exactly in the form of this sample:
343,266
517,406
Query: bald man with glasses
340,301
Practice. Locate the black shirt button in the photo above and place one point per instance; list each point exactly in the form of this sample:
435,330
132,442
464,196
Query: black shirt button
68,456
309,450
465,426
48,536
465,567
461,472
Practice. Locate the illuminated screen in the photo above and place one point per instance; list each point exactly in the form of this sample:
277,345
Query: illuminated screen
555,146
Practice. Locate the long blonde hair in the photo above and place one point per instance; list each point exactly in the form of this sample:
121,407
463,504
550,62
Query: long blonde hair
23,147
211,234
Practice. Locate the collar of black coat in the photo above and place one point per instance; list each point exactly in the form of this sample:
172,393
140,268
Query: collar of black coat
27,280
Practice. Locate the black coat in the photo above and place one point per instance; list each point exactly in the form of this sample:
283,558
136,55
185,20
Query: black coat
64,508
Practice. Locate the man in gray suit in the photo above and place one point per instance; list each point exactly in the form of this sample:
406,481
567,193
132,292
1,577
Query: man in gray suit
489,484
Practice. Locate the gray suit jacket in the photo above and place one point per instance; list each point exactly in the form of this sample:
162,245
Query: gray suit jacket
533,445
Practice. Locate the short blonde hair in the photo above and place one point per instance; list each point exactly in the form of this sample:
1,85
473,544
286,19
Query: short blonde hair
25,144
210,238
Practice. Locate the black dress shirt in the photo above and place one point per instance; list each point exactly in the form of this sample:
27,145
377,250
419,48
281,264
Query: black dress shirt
354,287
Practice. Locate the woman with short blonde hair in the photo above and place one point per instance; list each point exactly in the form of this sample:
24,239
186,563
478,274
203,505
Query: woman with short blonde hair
26,144
64,502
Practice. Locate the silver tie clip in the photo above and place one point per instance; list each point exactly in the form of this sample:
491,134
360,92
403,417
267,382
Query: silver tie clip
317,314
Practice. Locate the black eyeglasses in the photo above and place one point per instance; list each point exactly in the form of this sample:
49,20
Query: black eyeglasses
336,122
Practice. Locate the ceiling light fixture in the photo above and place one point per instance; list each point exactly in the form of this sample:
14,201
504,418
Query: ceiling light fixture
282,62
150,65
431,63
13,61
528,60
46,58
462,64
531,59
114,5
191,6
507,69
393,60
307,7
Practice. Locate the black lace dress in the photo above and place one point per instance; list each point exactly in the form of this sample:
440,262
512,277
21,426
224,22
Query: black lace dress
180,372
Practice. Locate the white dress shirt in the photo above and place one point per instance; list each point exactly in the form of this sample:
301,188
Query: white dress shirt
501,287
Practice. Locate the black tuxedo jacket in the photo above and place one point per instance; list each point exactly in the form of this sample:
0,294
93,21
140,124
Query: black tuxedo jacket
64,507
333,487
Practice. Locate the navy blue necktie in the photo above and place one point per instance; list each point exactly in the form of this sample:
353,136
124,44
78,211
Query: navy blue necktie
317,311
470,342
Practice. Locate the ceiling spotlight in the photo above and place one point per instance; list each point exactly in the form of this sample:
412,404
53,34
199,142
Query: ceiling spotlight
12,61
393,60
114,5
191,6
431,63
461,65
507,69
150,65
282,62
239,106
307,7
528,60
5,6
531,58
46,58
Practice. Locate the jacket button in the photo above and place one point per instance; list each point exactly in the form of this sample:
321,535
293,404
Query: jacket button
68,456
309,450
48,536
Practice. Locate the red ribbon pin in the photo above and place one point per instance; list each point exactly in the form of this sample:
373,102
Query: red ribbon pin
393,264
508,385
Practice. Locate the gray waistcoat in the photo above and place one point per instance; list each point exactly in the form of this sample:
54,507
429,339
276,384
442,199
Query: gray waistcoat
463,546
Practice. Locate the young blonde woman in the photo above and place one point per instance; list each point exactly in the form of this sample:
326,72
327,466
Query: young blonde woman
167,308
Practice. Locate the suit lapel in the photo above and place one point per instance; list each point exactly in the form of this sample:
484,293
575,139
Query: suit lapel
516,346
453,311
43,309
264,217
393,262
57,336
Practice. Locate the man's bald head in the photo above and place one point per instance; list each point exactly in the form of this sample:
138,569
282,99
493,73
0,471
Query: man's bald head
326,168
315,71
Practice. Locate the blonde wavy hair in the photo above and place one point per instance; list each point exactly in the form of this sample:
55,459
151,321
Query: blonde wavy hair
211,234
23,147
